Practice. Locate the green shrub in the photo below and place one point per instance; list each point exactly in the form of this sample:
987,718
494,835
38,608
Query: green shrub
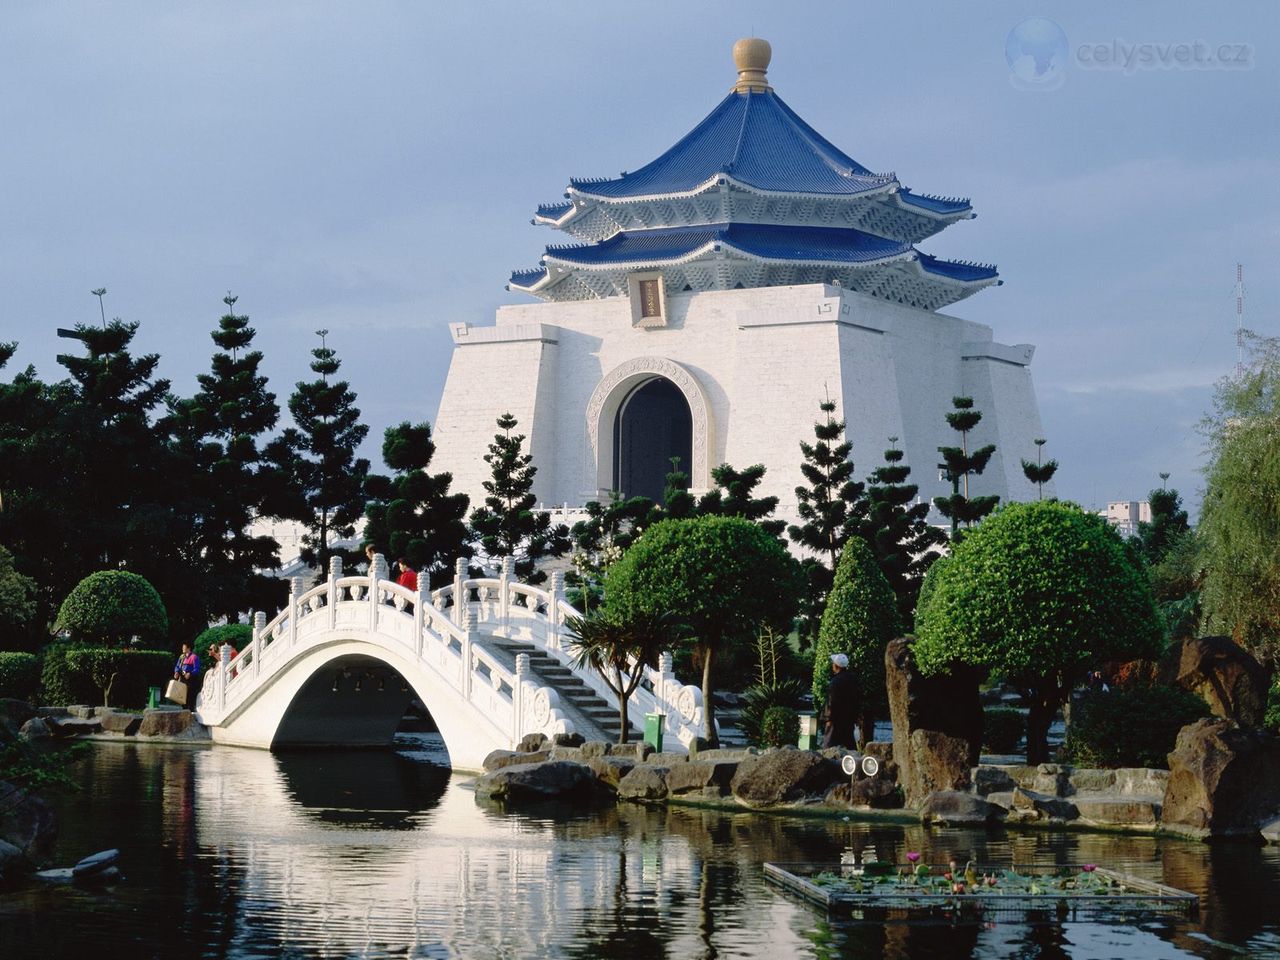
19,675
1272,718
237,634
105,675
780,727
1134,726
112,606
1002,729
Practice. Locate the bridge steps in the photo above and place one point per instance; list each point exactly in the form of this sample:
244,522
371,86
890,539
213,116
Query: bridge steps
580,701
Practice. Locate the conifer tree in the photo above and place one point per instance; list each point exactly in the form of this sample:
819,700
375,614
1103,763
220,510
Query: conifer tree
959,464
507,526
733,497
413,514
327,475
217,433
896,529
1039,473
1168,523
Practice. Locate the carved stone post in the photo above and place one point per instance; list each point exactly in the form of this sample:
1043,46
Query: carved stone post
507,574
295,591
259,641
335,574
464,624
224,674
419,610
377,571
556,593
460,598
518,694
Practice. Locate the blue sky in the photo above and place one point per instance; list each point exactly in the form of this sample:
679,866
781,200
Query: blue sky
371,168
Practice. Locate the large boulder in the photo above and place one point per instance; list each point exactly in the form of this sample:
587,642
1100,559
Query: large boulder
645,783
1221,673
780,776
37,728
1224,780
537,782
952,808
26,822
701,777
610,770
126,724
498,759
937,724
164,723
877,793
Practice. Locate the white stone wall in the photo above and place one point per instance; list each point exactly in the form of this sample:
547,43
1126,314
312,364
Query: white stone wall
763,359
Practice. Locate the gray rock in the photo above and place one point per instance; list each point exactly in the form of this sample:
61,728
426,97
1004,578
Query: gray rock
595,748
724,755
1001,798
508,758
1141,782
645,783
164,723
703,777
667,759
1044,806
876,793
26,822
536,782
1224,675
953,808
882,750
532,742
1224,781
567,753
568,740
1271,830
991,779
81,711
37,728
51,712
1118,811
639,750
781,776
74,727
1091,781
126,724
610,770
1052,779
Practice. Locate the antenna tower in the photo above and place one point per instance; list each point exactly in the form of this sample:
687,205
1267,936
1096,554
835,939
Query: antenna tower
1239,319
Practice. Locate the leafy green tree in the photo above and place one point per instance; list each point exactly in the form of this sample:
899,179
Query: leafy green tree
860,620
1043,593
1240,515
724,577
413,514
1168,522
959,464
600,539
1040,472
896,529
320,454
618,650
507,525
17,600
111,607
218,434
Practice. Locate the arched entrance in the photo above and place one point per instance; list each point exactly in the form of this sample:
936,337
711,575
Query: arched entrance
653,425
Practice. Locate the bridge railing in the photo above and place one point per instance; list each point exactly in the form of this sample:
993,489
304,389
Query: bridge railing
413,622
505,607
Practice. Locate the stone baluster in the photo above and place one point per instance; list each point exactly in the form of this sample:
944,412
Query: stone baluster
504,596
295,610
556,591
420,610
459,589
377,571
259,641
666,673
224,674
517,698
335,574
464,624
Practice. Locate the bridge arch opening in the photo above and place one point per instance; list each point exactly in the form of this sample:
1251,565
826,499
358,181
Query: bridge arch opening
653,426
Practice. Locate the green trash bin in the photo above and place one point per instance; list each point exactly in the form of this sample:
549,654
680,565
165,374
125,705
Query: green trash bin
153,697
653,730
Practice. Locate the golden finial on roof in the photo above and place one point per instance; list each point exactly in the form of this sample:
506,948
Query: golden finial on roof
751,56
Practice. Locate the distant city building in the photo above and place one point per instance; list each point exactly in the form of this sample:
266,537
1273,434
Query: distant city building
715,297
1125,515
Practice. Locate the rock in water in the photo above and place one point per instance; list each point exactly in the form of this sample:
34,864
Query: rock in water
952,808
96,863
780,776
1224,781
26,822
534,782
164,723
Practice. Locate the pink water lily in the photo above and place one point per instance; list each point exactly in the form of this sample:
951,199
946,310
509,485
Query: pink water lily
1090,867
913,856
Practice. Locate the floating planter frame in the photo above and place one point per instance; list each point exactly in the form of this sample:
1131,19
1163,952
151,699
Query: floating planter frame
1054,891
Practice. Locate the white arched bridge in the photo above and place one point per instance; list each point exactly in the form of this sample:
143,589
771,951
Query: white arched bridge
489,657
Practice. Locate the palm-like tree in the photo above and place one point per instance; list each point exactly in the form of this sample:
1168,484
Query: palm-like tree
618,649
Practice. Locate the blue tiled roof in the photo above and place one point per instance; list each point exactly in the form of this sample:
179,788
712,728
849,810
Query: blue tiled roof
758,140
958,270
768,241
936,204
554,211
527,278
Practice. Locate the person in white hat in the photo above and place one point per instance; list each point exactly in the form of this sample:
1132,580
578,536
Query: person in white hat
842,704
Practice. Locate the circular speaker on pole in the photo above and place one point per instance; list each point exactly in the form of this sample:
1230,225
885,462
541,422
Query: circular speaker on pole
849,763
870,766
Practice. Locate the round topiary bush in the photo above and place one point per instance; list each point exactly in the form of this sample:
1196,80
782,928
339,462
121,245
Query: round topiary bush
237,634
1002,729
19,675
780,727
111,607
1134,726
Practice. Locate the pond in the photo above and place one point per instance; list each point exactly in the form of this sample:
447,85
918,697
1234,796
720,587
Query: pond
245,854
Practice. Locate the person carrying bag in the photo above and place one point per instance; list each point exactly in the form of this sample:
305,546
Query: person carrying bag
182,689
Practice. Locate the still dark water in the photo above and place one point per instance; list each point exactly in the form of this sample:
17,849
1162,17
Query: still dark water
244,854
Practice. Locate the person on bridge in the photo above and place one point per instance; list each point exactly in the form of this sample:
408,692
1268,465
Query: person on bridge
408,576
842,704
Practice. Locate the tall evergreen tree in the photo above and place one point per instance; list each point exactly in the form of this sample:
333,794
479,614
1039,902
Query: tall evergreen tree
1039,472
321,452
896,529
507,526
413,514
733,496
1167,525
217,432
830,506
959,464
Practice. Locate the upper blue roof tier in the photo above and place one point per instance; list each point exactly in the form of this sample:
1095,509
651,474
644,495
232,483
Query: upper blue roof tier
757,140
